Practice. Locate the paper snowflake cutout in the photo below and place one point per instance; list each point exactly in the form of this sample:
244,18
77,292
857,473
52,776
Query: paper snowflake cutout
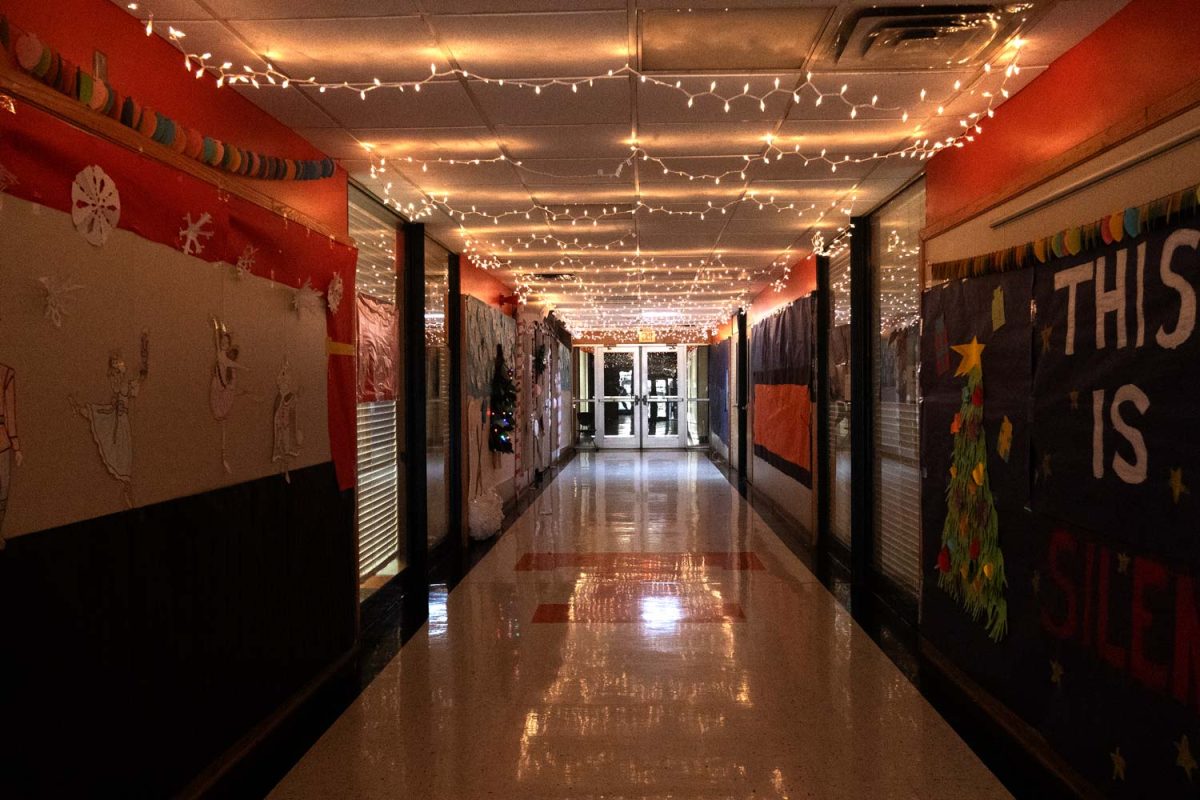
95,204
333,293
56,297
306,298
245,262
191,233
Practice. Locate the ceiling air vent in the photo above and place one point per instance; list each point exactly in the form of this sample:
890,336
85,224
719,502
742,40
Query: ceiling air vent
554,276
926,37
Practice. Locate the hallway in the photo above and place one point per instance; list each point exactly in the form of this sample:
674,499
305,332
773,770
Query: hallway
640,632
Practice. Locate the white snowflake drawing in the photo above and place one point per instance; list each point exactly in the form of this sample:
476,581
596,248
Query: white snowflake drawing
95,204
306,298
333,293
245,262
191,233
56,298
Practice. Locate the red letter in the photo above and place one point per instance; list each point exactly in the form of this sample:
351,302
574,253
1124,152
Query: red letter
1147,574
1187,640
1113,654
1060,541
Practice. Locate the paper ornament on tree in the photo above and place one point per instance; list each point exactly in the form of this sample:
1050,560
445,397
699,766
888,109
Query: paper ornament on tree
192,232
110,424
333,293
56,297
305,298
95,205
285,421
970,563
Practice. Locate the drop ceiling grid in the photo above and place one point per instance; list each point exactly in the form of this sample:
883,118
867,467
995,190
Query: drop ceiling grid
575,137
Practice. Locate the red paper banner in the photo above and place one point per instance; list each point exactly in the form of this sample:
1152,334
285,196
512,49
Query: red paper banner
43,154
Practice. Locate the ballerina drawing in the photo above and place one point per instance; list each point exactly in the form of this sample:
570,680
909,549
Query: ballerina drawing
110,423
286,423
223,388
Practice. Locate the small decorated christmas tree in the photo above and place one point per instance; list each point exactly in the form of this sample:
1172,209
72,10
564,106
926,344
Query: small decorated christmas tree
503,413
970,564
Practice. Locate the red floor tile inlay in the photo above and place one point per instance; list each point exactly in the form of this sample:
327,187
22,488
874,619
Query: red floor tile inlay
641,563
634,612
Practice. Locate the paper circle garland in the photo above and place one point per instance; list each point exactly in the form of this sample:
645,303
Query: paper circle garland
95,205
1133,222
48,66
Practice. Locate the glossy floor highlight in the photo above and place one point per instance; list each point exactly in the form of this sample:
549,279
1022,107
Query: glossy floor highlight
640,632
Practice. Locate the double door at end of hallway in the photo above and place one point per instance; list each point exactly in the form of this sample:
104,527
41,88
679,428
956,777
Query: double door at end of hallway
641,393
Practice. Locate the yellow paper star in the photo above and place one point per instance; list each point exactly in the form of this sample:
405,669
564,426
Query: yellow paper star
1056,672
1183,756
1118,762
1123,563
972,356
1178,487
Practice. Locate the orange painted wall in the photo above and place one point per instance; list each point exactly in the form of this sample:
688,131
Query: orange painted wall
801,282
151,70
1142,55
483,285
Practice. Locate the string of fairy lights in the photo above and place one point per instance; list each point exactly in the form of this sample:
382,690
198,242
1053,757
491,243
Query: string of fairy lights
690,311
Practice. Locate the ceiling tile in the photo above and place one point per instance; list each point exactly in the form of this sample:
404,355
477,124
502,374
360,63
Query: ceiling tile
566,141
605,101
438,105
536,45
302,9
353,50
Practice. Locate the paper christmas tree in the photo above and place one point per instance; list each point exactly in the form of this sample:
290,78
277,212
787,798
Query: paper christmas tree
970,563
503,419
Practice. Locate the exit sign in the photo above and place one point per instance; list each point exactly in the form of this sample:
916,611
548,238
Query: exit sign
647,335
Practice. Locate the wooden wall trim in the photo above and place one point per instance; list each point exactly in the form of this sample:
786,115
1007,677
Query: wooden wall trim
1132,126
1021,732
25,89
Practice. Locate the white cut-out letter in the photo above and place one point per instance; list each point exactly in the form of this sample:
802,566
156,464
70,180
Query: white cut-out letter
1135,472
1069,279
1185,237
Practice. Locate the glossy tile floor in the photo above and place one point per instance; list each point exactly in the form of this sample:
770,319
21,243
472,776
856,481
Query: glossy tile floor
640,632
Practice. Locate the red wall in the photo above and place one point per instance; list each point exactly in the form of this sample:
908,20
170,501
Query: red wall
1142,55
151,70
802,282
483,285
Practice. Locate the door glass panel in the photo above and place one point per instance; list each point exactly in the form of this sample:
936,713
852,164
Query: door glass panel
618,383
379,503
661,381
896,291
697,392
437,389
839,397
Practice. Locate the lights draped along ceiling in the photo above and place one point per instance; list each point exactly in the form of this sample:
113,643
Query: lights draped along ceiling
727,136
